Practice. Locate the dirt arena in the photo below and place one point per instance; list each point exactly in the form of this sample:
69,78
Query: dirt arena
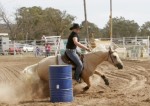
128,87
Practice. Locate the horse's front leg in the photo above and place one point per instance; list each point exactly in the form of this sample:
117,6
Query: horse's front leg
86,79
103,77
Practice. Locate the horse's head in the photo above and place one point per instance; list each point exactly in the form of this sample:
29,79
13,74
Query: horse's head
114,59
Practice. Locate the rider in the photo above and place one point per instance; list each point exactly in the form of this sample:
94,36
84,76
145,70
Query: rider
73,42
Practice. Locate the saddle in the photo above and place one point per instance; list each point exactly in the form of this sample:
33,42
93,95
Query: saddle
67,60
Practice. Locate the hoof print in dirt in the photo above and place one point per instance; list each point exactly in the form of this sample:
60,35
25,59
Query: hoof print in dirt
100,92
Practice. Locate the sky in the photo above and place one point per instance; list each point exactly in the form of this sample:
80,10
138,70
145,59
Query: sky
97,10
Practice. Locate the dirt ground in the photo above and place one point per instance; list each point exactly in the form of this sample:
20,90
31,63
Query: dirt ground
128,87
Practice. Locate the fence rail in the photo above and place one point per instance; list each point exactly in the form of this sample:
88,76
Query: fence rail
130,47
29,46
135,46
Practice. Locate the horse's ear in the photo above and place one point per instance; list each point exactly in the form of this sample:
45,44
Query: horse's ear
110,49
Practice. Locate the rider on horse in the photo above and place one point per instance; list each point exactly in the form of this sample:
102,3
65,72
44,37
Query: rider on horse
73,42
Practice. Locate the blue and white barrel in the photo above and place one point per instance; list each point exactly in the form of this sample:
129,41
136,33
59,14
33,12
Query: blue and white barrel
60,83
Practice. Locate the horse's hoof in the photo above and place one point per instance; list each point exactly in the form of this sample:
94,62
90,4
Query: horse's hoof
105,80
85,88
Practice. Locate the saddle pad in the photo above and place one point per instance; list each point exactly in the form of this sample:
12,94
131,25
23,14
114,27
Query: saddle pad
60,61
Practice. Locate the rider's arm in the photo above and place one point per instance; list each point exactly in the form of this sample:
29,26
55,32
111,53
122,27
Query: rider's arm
75,40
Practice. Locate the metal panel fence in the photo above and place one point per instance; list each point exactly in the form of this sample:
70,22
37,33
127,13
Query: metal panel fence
33,47
131,47
128,47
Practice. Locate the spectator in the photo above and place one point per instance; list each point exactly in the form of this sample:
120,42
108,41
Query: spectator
47,49
37,51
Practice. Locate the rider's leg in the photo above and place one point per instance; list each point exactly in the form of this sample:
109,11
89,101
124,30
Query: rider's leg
75,58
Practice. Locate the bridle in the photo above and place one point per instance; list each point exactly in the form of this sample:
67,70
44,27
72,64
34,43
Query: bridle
109,55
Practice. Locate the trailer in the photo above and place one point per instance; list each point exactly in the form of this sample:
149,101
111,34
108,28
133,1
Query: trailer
4,43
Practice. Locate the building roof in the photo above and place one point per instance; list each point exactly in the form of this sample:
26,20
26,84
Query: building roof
3,34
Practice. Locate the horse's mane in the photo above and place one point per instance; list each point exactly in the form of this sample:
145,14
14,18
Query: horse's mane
98,51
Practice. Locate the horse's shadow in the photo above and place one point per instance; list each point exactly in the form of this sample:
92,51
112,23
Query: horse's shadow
80,89
84,93
76,93
35,101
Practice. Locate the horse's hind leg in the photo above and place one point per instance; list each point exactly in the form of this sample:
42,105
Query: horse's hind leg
103,77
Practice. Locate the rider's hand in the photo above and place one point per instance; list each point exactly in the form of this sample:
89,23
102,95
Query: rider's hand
88,50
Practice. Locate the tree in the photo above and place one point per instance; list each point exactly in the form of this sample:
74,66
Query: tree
34,22
145,29
58,21
93,30
30,22
121,28
4,19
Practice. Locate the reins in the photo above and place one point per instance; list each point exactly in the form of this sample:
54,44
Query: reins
109,55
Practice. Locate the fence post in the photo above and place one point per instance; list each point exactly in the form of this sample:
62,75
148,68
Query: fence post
124,42
14,48
135,40
148,46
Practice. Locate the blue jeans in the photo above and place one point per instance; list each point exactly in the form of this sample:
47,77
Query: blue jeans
72,54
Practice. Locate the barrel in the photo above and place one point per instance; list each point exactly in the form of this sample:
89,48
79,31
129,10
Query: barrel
60,83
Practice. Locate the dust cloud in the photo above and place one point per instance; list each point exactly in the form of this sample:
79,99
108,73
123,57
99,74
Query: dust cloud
10,93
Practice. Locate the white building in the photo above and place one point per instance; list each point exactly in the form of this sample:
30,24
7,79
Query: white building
4,42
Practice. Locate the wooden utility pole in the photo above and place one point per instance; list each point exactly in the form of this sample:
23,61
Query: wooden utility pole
86,23
110,20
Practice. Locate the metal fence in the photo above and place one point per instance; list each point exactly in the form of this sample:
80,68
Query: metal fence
33,47
131,47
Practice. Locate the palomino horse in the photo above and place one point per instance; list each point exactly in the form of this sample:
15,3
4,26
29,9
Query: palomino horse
90,61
